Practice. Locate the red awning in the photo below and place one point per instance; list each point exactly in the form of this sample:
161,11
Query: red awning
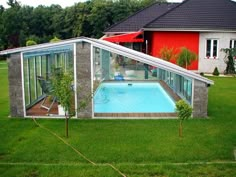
129,37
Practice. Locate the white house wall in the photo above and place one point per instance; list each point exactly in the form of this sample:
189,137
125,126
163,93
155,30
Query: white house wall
208,65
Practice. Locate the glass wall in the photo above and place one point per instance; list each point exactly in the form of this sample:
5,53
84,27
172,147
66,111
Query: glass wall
179,84
115,67
112,66
42,63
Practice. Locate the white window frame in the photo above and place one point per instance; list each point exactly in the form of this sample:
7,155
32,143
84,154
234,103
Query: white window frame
212,49
233,44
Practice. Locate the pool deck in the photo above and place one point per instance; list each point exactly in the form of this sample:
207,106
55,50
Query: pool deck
135,115
169,91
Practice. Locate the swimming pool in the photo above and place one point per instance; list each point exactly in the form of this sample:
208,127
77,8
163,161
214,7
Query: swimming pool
133,97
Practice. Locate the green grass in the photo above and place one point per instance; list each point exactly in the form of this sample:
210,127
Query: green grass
136,147
4,97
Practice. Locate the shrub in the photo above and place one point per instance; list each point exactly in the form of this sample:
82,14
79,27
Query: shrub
184,111
229,60
201,73
167,53
30,42
216,72
55,39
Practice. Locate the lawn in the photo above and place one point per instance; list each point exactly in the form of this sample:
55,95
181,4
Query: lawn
135,147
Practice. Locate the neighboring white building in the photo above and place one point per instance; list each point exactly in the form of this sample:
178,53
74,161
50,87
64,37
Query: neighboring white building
211,44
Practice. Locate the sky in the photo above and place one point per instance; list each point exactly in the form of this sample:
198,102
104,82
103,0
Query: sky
63,3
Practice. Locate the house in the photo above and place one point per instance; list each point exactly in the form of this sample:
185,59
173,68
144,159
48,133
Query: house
93,62
202,26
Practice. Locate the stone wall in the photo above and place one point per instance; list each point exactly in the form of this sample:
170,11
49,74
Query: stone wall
200,101
15,86
83,69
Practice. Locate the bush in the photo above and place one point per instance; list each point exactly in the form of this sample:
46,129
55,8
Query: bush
201,73
216,72
31,42
167,53
55,39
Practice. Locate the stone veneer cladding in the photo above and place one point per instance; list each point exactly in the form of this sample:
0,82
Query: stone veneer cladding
83,69
15,86
200,100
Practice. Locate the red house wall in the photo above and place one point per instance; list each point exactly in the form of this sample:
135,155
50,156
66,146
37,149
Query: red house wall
174,40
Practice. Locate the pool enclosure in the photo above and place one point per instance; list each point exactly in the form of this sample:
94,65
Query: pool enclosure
42,63
92,62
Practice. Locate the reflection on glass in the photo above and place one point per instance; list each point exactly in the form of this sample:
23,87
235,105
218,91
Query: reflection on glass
180,84
26,82
112,66
208,51
41,64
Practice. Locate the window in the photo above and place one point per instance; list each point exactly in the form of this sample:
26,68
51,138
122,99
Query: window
232,43
211,48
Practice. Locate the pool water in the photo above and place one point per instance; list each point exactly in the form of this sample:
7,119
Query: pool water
132,98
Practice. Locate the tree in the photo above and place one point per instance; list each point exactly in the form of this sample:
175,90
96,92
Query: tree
145,3
82,24
1,28
185,57
184,111
13,3
61,82
101,16
12,25
25,14
19,23
229,60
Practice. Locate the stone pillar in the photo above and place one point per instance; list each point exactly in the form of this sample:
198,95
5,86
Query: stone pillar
200,100
83,69
15,86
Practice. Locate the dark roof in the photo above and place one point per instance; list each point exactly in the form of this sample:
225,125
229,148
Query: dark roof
199,14
138,20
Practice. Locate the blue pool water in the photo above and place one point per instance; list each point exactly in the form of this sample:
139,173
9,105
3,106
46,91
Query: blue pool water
132,98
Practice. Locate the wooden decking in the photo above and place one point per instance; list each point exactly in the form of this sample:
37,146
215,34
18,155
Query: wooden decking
170,92
37,111
135,115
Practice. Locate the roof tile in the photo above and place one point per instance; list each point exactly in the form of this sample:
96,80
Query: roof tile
199,14
138,20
